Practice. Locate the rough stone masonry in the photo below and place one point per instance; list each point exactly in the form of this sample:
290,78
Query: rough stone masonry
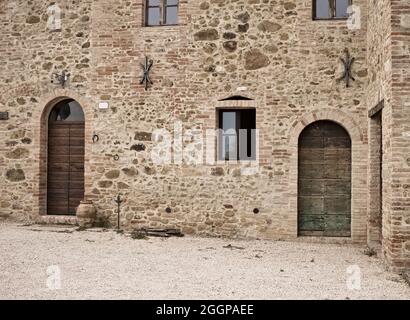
268,55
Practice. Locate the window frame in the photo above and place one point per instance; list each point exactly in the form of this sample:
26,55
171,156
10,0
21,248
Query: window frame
163,6
53,117
251,144
333,18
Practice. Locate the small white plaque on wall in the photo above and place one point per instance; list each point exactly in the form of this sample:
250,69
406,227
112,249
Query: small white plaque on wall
242,89
103,105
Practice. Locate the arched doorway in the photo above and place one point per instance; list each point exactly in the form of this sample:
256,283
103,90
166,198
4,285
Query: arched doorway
324,180
65,158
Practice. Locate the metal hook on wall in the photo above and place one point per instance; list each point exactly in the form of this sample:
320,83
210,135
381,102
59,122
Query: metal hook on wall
96,138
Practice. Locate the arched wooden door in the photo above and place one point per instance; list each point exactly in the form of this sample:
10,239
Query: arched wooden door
324,180
65,163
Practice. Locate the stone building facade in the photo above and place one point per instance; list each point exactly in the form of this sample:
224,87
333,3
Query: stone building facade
269,56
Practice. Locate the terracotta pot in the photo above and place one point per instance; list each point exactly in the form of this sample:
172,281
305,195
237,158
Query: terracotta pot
86,211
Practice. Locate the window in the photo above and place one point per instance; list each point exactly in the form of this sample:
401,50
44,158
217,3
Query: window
161,12
67,110
330,9
237,134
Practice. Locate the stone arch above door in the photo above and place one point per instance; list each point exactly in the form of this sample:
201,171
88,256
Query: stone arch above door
359,166
337,116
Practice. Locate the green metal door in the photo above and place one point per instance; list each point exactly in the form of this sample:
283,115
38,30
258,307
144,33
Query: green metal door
324,181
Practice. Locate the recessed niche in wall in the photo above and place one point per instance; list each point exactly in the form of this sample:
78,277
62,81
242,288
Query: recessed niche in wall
4,116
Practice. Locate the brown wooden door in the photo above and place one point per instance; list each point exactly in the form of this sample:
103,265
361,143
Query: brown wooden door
65,178
324,183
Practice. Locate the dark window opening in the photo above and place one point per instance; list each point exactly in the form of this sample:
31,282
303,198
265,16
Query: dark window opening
237,134
330,9
161,12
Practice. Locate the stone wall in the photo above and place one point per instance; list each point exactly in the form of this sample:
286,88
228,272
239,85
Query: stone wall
273,53
388,58
398,245
379,91
269,51
30,52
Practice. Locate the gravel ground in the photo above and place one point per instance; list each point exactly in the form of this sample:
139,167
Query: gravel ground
105,265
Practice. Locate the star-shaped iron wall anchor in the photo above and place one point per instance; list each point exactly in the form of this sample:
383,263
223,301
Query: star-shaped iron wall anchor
347,63
62,78
146,67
